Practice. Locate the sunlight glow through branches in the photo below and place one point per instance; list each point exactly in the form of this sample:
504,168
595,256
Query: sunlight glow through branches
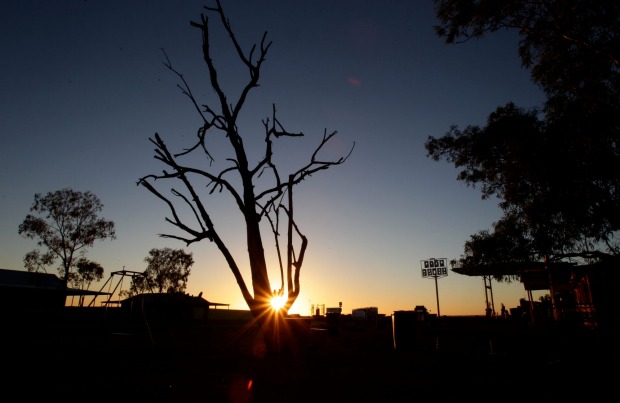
278,301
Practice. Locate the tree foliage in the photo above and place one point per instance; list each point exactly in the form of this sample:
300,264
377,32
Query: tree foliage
87,272
254,182
572,48
555,169
65,222
168,271
36,261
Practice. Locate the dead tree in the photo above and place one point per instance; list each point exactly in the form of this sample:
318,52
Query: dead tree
261,193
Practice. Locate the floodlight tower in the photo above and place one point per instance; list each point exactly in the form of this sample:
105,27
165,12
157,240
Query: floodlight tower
435,268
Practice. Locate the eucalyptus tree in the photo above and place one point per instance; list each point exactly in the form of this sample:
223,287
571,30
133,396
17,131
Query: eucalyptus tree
555,168
87,272
64,222
168,271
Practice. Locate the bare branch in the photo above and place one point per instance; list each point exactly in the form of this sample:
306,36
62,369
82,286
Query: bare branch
276,234
185,88
236,178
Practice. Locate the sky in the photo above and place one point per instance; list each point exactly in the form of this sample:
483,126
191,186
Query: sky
83,88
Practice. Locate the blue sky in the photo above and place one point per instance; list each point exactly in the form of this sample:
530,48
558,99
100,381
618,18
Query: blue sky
83,87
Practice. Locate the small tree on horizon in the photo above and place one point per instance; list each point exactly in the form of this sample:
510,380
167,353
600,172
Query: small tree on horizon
65,222
87,272
168,271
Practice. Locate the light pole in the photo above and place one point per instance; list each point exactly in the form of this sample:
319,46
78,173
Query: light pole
435,268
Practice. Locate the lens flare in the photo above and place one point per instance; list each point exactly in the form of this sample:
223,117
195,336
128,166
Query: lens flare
278,301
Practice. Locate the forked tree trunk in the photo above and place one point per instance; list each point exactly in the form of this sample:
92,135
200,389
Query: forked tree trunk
256,202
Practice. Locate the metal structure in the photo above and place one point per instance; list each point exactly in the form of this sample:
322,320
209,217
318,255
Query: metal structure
488,290
435,268
122,273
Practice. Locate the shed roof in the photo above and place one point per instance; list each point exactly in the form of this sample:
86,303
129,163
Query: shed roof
26,280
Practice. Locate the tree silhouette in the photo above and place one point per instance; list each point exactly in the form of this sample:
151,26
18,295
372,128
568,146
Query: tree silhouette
168,271
67,224
555,170
87,272
262,194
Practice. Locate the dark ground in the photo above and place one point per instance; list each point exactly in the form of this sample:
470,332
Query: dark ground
455,359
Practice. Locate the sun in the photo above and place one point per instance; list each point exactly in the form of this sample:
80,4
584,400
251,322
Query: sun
277,302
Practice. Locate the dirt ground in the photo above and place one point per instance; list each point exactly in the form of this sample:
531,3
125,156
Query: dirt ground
224,361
